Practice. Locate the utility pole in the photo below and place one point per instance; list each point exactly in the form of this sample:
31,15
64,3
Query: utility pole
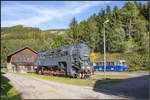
105,50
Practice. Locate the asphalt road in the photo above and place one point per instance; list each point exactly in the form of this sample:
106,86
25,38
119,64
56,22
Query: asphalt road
136,88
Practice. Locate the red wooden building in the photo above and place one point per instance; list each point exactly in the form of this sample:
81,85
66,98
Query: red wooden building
22,60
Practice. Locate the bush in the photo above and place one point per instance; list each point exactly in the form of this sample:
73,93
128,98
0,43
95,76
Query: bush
137,62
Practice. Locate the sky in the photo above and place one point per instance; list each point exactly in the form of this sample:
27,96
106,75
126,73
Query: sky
51,14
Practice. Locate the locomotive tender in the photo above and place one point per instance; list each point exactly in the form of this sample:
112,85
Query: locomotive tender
72,61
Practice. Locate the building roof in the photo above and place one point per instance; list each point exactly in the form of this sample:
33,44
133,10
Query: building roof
21,50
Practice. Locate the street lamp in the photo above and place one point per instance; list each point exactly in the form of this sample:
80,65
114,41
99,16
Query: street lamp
105,50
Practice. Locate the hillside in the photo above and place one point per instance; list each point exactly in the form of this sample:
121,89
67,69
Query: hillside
127,35
56,31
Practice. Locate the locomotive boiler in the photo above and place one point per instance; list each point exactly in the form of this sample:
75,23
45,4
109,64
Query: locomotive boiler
72,61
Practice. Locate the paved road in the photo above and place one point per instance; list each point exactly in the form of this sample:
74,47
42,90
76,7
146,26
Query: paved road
137,88
33,88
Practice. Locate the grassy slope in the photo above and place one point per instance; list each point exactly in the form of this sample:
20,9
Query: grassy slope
80,82
8,91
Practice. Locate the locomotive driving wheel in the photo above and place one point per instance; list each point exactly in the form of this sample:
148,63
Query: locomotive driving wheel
74,71
40,71
63,66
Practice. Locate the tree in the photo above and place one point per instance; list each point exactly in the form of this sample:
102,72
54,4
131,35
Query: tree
117,40
144,11
58,41
116,16
91,33
102,13
108,12
82,33
73,32
4,53
129,12
100,19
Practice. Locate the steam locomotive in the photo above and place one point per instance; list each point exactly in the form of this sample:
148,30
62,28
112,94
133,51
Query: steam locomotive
72,61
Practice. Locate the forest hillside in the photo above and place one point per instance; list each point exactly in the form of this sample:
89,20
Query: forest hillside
127,36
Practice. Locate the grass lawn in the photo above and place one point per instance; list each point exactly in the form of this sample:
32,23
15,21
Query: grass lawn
111,76
4,70
81,82
140,71
8,91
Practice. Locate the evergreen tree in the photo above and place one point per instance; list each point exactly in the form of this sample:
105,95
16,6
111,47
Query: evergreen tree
129,12
82,33
108,12
73,31
91,33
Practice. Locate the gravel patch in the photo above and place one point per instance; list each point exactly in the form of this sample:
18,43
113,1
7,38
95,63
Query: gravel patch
134,74
34,88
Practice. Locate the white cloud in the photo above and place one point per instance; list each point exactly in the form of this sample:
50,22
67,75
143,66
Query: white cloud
34,15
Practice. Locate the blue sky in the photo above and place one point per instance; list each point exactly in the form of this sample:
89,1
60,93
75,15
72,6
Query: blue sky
50,14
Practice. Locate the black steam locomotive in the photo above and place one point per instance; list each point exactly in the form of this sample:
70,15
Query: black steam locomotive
72,61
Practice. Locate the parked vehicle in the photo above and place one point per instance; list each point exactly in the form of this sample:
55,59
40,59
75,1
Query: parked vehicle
111,65
72,61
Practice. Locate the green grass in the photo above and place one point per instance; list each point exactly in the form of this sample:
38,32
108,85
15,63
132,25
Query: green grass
4,70
8,91
111,76
80,82
108,82
60,79
140,71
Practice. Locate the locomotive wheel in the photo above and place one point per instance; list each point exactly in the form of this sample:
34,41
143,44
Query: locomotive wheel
82,75
74,71
74,75
40,72
63,66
